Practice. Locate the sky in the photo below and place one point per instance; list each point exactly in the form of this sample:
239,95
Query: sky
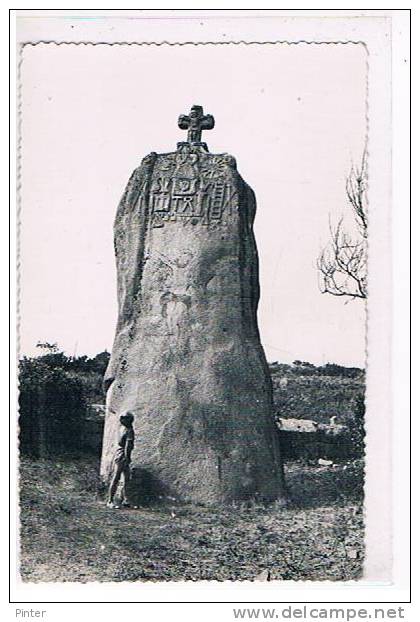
294,116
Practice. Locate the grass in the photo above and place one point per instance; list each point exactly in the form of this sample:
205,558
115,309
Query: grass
67,534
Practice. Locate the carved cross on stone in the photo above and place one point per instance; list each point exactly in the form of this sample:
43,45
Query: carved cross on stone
195,123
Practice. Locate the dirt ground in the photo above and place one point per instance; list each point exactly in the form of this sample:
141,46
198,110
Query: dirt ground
67,533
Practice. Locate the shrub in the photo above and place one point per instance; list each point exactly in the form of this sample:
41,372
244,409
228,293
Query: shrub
356,426
52,406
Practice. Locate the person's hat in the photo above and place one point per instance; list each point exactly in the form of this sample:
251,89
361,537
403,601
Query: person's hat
127,416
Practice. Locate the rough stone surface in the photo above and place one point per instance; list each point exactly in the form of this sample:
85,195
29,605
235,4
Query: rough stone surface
187,358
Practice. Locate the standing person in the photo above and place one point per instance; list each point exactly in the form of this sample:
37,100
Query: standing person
122,459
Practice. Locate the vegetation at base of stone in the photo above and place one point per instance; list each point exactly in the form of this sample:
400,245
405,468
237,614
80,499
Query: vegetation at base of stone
51,407
67,534
55,392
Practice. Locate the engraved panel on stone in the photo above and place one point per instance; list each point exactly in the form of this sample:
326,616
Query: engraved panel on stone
184,186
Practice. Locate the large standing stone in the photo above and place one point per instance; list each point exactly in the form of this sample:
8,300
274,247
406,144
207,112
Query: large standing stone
187,358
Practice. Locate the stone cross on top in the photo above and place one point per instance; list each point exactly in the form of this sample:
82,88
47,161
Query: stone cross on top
195,123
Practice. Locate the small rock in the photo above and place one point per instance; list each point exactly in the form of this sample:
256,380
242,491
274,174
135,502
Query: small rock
263,576
323,462
352,553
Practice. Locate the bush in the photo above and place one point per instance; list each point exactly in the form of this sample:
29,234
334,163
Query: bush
356,426
52,406
55,392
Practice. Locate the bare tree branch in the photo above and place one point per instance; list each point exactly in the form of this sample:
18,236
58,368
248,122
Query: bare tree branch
342,264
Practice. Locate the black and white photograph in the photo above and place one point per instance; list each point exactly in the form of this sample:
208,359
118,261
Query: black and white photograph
203,346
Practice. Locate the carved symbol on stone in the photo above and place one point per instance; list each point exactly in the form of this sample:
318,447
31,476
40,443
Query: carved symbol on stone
214,167
161,184
187,206
175,205
161,202
216,205
176,299
157,220
184,198
160,199
165,163
184,186
230,195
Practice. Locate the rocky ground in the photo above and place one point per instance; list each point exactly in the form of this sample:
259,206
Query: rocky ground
67,534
